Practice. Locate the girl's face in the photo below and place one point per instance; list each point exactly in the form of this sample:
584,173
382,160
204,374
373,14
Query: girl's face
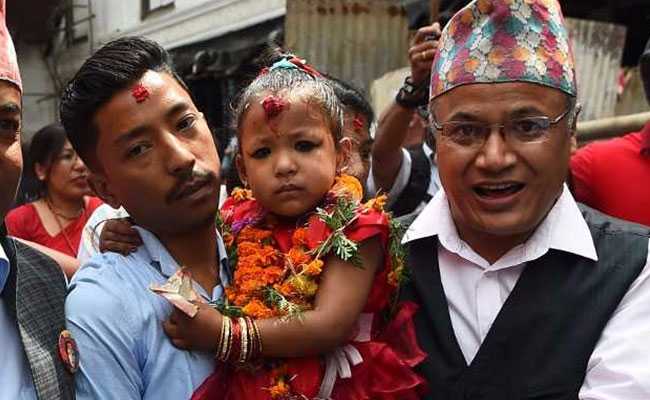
289,159
66,176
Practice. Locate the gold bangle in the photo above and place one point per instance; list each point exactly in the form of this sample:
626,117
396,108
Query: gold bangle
256,337
221,338
252,345
228,349
260,346
253,335
227,338
243,326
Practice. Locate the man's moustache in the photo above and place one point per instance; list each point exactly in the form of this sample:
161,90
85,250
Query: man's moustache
197,177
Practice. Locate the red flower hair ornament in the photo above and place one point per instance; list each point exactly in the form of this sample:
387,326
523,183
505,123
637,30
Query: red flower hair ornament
273,106
290,61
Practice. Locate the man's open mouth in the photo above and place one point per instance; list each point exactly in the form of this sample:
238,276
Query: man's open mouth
496,190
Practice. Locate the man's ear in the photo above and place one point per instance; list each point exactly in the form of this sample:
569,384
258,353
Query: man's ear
344,154
573,128
574,144
241,169
100,186
574,122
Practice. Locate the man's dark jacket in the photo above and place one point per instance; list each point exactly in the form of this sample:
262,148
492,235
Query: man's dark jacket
540,343
34,294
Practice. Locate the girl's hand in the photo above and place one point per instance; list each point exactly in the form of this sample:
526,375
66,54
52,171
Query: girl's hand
119,236
199,333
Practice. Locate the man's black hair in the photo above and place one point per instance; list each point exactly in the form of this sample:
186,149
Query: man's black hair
352,99
113,68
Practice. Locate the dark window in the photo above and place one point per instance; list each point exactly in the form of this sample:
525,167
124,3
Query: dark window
150,6
77,21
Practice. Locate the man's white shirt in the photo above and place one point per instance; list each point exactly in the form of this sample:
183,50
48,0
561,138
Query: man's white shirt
404,175
619,367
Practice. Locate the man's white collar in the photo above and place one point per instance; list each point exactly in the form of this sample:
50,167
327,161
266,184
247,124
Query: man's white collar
563,229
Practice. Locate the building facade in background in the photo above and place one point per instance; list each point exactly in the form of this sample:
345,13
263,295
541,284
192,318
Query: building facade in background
70,30
217,44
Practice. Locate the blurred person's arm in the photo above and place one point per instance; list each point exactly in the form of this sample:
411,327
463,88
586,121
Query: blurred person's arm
68,264
94,231
119,236
394,121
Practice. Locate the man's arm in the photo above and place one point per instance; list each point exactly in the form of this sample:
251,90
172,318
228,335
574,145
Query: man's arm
393,123
387,149
619,367
104,331
68,264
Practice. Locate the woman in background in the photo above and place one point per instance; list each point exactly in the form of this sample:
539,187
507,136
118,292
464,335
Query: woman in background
61,201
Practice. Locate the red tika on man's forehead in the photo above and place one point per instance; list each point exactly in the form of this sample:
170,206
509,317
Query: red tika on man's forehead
140,93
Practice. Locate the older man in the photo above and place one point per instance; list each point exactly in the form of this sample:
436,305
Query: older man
524,295
34,350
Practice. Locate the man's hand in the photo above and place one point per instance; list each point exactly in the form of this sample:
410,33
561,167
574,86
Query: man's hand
199,333
422,51
119,236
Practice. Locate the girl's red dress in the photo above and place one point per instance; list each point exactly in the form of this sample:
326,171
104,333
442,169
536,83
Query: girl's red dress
389,348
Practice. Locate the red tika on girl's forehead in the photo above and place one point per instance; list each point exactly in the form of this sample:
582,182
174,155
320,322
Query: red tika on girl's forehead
358,123
140,93
274,106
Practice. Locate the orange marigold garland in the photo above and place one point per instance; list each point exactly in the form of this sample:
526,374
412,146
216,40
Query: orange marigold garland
280,387
270,283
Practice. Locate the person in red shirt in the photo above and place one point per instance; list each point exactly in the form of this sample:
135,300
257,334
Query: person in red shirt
62,197
613,176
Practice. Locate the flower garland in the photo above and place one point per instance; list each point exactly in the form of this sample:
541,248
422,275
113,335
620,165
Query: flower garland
268,282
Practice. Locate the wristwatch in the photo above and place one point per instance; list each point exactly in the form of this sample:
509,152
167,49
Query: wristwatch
412,95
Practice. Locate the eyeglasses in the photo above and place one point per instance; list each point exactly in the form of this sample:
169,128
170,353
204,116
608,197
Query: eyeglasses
518,131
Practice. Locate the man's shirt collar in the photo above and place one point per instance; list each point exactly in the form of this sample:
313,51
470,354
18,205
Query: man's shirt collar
5,265
563,229
428,151
168,266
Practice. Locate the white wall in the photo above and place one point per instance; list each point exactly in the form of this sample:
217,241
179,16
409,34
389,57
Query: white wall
189,21
37,111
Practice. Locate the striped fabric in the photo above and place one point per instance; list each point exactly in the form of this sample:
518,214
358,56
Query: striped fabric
35,294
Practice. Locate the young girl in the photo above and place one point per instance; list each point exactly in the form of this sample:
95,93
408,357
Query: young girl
315,270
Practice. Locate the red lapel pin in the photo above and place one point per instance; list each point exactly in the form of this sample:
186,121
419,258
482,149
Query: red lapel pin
68,351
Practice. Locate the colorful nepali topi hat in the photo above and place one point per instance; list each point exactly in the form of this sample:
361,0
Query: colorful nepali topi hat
8,61
491,41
